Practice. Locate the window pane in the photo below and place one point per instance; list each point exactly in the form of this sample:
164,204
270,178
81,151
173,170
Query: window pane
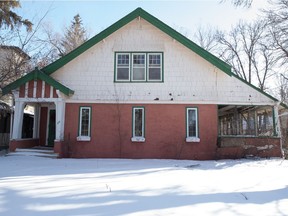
154,74
138,122
139,74
123,74
154,60
123,60
139,60
85,122
192,123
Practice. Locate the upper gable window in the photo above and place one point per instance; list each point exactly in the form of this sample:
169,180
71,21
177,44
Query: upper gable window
139,67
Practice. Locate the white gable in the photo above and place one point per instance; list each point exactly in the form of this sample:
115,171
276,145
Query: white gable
188,78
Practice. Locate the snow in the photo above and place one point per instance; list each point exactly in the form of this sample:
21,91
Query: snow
31,185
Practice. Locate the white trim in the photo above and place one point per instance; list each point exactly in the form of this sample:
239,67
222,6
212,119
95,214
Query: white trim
138,139
43,89
39,100
51,91
83,138
192,139
26,90
167,102
35,89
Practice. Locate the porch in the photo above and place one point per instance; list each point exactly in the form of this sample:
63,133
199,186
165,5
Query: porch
248,131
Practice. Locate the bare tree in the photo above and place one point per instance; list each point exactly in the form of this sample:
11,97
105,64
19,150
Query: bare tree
277,19
206,38
240,3
245,49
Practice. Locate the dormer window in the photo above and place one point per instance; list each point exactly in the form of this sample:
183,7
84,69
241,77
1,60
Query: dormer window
139,67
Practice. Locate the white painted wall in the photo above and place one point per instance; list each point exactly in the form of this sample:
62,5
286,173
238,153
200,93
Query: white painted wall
187,76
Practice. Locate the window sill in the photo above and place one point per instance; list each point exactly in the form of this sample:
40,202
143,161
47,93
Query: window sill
83,138
192,139
138,139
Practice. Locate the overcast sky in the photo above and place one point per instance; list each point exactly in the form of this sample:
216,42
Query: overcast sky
184,16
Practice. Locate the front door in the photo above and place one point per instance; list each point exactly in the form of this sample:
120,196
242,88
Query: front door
51,128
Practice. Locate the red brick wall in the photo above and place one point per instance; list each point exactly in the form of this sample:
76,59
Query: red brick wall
165,132
23,143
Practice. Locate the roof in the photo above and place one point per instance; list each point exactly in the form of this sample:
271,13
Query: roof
139,12
17,50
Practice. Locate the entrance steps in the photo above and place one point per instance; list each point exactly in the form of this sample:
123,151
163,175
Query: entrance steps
39,151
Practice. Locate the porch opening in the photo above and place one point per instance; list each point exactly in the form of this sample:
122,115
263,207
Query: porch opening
247,130
246,120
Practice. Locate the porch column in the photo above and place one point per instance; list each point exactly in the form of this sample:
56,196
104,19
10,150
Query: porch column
36,121
60,120
277,129
18,120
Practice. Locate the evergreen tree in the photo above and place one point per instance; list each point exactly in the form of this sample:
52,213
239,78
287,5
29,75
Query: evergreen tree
74,36
9,18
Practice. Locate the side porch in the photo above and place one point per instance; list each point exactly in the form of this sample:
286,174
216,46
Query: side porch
248,131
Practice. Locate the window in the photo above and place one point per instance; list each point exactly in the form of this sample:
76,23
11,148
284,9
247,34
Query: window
154,67
192,125
138,67
84,124
123,67
138,124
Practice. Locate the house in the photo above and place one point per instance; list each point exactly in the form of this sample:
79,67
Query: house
13,63
139,89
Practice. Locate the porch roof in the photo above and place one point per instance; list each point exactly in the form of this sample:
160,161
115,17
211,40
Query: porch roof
37,74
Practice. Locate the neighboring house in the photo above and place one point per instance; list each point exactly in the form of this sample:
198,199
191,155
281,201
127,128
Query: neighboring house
139,89
13,63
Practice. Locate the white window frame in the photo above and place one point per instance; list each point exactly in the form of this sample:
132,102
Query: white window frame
161,66
145,69
80,136
129,68
192,138
134,137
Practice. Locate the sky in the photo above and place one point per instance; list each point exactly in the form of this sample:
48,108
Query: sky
184,16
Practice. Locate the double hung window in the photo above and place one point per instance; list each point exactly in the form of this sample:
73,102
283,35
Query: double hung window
84,124
139,67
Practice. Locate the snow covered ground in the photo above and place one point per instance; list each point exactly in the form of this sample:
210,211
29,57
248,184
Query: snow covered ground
31,185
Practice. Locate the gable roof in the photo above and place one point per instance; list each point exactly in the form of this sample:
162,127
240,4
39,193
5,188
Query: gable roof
139,12
38,75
